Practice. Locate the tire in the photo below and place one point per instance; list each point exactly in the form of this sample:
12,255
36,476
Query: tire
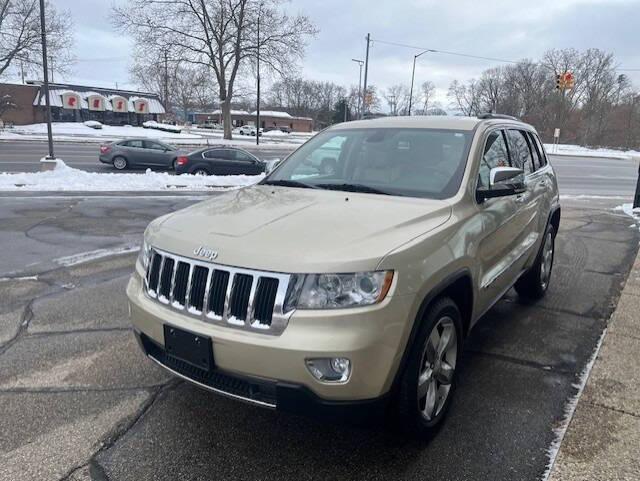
534,283
200,171
429,378
174,164
120,163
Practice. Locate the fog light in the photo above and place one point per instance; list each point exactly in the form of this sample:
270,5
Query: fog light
330,369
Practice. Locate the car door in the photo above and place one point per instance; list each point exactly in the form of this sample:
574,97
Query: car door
157,154
135,152
529,201
247,164
498,222
218,161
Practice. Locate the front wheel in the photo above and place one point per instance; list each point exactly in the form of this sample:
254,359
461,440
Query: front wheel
534,284
428,381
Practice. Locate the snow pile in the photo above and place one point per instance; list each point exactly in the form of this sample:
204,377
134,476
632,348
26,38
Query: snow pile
152,124
94,124
275,133
631,212
73,130
577,150
65,178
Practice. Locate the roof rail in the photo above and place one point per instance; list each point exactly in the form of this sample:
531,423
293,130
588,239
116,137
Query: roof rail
490,115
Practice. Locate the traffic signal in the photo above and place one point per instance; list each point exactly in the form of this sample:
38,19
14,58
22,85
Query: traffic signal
558,82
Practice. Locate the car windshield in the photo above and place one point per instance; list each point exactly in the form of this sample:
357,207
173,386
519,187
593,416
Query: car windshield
426,163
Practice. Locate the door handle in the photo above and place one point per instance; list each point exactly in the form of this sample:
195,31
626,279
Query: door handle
542,183
520,198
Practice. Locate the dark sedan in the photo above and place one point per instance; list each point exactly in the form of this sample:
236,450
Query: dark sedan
220,160
131,153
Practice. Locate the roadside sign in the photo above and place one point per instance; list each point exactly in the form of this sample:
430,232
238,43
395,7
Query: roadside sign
556,133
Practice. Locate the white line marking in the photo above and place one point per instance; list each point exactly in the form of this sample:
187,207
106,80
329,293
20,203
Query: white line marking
83,257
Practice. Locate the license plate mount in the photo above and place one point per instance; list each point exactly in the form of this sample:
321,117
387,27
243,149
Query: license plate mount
194,349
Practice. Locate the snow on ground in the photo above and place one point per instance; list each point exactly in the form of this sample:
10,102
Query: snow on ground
65,178
79,132
631,212
568,149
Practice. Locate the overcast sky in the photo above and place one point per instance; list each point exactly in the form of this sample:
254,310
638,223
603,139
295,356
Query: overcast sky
505,29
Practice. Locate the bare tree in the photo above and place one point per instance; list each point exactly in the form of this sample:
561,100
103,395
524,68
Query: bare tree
20,36
465,97
427,91
397,97
220,34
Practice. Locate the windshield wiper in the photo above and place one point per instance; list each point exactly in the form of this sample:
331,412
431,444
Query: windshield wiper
289,183
354,188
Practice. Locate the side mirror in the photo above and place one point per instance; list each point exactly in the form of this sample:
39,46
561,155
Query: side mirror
503,181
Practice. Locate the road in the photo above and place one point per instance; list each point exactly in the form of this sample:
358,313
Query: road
79,401
24,156
577,175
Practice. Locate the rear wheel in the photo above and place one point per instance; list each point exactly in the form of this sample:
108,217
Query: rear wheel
174,164
120,163
428,381
201,172
534,284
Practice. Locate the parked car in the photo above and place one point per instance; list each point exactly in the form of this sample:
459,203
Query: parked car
246,130
132,153
221,160
350,293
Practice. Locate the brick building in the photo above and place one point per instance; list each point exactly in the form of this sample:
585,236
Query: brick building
77,103
271,119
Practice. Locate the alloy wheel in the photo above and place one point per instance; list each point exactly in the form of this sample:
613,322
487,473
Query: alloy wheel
547,261
437,368
119,163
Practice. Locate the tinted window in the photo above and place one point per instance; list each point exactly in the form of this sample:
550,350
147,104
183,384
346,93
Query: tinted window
216,154
242,156
495,155
540,150
154,145
399,161
520,153
133,143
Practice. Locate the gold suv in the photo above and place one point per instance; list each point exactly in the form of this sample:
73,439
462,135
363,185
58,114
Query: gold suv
344,283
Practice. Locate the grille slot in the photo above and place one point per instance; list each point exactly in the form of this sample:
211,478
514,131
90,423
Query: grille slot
219,294
198,287
265,299
240,292
182,278
218,291
164,289
154,272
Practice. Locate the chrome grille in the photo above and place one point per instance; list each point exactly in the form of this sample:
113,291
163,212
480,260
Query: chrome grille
223,295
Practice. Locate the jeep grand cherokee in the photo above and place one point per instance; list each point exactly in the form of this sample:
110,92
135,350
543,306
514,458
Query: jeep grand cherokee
349,291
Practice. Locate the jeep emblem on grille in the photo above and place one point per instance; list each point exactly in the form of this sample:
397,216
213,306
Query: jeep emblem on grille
206,252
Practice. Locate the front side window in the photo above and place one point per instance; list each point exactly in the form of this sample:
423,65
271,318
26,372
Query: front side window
520,153
214,154
426,163
495,154
154,146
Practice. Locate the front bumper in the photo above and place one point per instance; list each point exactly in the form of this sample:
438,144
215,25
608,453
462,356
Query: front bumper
287,397
373,338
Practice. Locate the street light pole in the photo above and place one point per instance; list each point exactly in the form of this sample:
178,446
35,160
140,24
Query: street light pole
366,74
360,64
43,33
258,80
413,74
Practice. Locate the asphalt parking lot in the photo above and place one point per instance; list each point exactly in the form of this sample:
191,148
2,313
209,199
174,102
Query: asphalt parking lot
79,401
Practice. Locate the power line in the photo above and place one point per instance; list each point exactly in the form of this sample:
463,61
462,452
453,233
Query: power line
459,54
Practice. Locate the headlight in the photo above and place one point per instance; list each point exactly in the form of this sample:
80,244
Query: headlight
144,255
334,291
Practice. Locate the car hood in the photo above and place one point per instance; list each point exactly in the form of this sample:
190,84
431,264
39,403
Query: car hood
298,230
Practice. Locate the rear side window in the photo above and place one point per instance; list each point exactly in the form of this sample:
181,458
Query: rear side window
133,143
542,158
214,154
242,156
520,152
495,155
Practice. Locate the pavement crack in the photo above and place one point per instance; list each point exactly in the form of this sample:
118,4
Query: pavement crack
522,362
27,316
610,408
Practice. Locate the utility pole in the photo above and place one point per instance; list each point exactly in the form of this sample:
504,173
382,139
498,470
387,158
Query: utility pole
51,62
43,33
413,74
360,64
258,81
22,71
366,73
166,80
